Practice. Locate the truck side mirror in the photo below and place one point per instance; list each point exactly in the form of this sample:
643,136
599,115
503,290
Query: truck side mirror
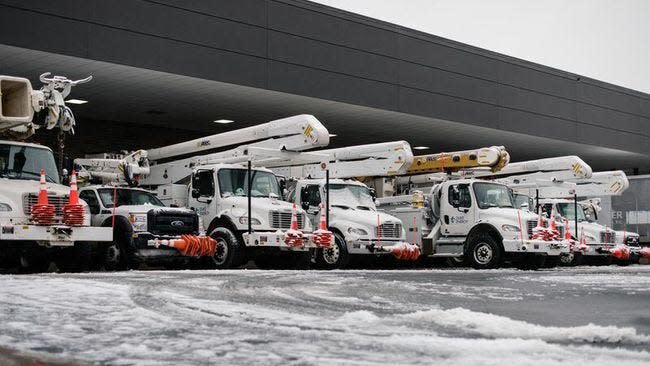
196,193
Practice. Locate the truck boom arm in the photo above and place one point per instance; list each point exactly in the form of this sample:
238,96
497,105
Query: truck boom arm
268,141
610,183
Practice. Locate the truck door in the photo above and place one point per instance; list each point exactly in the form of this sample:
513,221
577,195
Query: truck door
310,200
456,210
93,205
202,195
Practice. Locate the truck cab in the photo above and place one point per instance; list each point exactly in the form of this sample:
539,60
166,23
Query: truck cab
359,229
26,244
219,194
137,217
476,220
598,238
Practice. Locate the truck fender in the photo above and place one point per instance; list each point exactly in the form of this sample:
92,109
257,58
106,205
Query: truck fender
122,230
221,221
482,228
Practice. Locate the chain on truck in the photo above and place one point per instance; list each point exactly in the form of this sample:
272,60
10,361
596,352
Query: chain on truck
41,220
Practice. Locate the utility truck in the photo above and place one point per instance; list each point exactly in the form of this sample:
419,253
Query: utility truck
557,199
468,219
324,181
236,198
144,230
39,220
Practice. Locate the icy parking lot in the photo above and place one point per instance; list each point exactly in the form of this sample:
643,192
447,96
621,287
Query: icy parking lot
589,315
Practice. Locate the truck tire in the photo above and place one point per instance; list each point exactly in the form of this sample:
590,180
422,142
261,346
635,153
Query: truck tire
484,252
230,251
75,259
335,257
570,259
114,256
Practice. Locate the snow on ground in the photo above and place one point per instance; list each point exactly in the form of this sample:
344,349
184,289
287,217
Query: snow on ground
462,317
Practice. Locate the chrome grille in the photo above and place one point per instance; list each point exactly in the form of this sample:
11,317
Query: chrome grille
609,238
390,230
31,199
282,220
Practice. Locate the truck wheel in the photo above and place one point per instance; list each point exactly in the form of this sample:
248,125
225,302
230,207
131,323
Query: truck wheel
230,249
75,259
570,259
114,257
484,252
335,257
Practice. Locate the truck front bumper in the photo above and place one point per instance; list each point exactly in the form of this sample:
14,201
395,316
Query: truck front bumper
369,247
597,250
266,239
550,248
55,235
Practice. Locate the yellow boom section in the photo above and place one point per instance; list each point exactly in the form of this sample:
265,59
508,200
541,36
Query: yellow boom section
495,158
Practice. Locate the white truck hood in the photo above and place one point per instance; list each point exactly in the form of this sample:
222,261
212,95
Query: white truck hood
12,191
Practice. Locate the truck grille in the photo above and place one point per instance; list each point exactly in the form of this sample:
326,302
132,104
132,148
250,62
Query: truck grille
282,220
609,238
172,222
532,223
390,230
58,201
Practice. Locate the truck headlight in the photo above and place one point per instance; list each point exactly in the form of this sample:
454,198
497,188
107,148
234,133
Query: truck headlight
357,231
244,220
5,207
512,228
138,221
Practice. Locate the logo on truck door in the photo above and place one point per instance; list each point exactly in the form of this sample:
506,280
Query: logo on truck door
458,220
177,223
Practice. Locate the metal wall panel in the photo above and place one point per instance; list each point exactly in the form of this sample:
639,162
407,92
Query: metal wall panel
536,124
610,119
539,103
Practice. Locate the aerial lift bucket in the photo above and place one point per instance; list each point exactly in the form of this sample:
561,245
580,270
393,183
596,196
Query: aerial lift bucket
15,101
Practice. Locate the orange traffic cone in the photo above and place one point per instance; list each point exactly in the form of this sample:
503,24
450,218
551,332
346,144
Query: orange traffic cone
73,212
190,245
567,231
621,252
293,236
404,251
322,237
583,242
43,212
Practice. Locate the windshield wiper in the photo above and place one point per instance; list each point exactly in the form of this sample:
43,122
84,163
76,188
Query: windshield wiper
343,207
367,208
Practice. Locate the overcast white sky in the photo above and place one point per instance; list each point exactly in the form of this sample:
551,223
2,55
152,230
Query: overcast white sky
607,40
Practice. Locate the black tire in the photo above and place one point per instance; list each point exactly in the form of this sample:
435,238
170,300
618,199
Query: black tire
530,262
484,252
335,257
230,251
570,259
36,261
114,256
75,259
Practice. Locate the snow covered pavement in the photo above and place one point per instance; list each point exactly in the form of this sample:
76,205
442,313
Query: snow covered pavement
589,315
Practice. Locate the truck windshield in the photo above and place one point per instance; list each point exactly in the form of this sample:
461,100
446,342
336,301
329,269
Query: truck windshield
567,210
353,196
26,162
234,182
520,199
127,197
492,195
